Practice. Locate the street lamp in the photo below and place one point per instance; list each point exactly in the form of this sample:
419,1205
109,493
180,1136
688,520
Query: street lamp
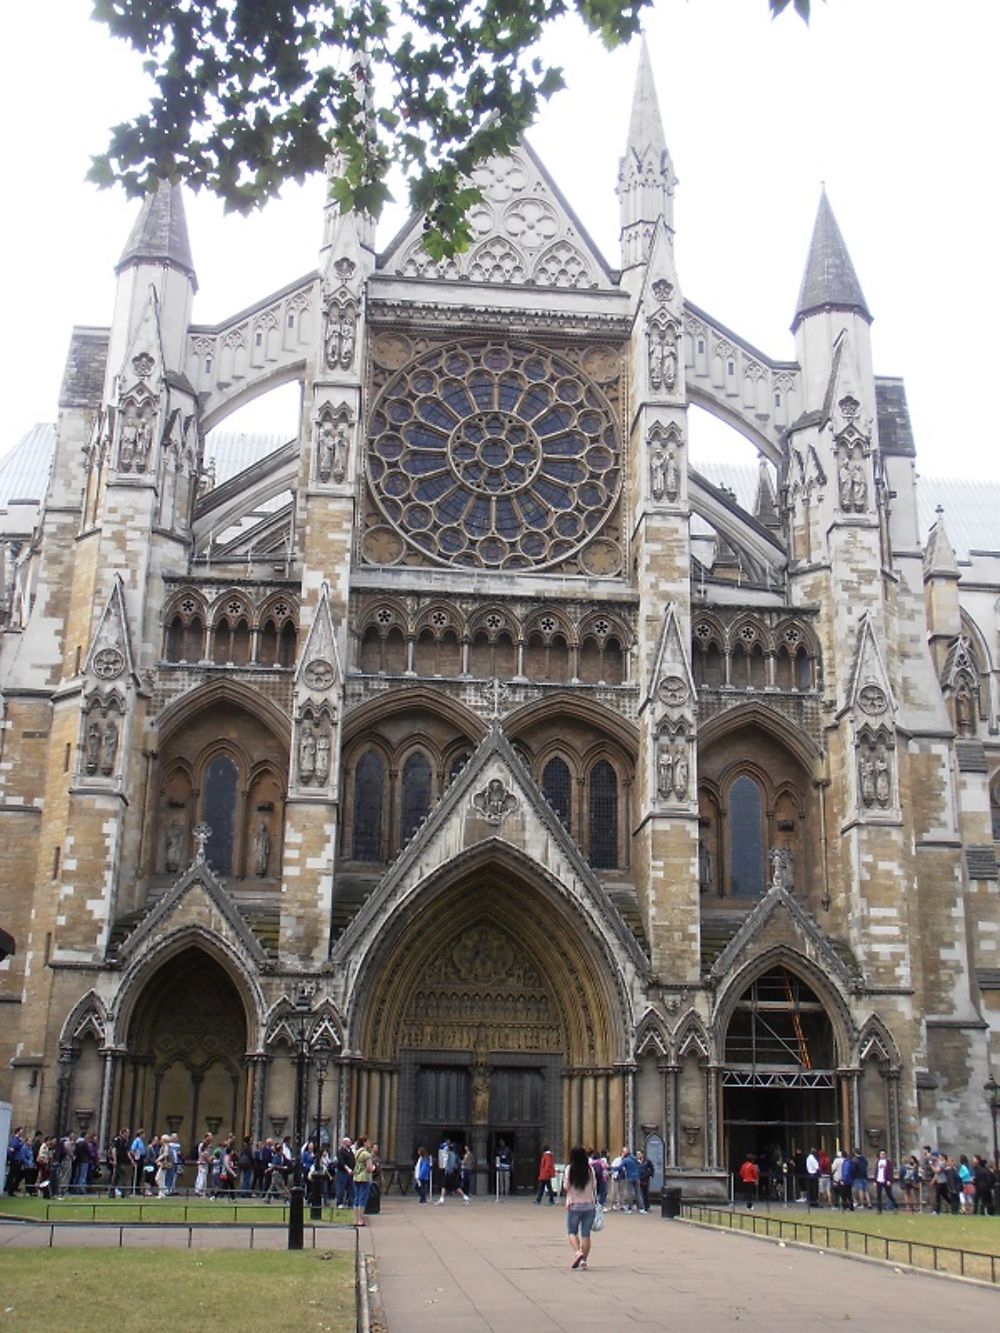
321,1059
296,1205
992,1090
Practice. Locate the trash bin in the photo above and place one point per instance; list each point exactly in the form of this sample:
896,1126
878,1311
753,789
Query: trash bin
670,1201
374,1204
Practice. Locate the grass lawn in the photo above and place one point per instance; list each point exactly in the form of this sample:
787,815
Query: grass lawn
103,1209
924,1230
163,1291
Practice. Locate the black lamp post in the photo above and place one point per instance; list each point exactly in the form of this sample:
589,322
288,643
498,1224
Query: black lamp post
321,1058
296,1206
992,1089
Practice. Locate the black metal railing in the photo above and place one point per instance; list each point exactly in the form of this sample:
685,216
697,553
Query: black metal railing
914,1253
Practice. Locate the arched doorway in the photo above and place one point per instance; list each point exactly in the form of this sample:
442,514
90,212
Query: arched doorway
489,1012
187,1041
780,1082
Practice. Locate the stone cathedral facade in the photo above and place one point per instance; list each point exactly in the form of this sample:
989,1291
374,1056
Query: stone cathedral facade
477,733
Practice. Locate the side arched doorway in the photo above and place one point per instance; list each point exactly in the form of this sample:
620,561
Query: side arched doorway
782,1090
489,1012
185,1070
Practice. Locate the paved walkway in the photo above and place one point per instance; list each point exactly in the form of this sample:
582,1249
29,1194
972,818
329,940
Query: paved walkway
505,1268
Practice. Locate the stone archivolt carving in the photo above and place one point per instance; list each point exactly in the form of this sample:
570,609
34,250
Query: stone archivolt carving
495,802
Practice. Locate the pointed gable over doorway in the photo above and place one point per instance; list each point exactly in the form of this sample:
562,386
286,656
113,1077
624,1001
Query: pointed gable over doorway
494,800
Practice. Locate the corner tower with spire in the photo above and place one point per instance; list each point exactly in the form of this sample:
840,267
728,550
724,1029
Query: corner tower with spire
645,176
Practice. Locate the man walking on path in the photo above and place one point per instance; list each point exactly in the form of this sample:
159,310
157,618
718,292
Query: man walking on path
749,1175
546,1172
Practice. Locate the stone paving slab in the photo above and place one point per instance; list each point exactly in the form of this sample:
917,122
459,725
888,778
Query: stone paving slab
504,1268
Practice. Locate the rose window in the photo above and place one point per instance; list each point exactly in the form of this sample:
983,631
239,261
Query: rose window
495,456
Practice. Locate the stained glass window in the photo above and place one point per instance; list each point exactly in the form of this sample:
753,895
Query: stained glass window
219,812
416,797
557,784
369,784
603,816
475,462
746,838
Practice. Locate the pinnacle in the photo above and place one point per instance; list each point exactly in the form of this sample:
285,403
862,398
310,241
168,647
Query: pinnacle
645,129
160,233
829,279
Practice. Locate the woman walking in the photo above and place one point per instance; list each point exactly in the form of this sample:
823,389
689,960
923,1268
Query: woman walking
422,1173
362,1179
580,1188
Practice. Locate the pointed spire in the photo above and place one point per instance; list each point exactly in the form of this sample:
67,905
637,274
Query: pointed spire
829,281
939,554
645,173
765,505
160,234
646,127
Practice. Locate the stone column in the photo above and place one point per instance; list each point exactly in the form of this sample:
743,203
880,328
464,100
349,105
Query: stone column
893,1127
669,1073
110,1059
712,1073
630,1072
257,1070
64,1083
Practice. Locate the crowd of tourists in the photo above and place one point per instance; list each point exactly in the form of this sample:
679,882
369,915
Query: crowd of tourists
155,1167
929,1181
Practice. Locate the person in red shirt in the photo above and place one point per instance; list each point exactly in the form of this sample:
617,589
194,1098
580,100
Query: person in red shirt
749,1175
546,1172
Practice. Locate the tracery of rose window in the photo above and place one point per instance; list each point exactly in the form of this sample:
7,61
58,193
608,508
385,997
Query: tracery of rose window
494,455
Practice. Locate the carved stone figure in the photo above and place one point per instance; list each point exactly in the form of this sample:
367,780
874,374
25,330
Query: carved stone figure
782,867
663,358
324,450
964,712
704,868
671,477
495,801
480,1096
174,846
859,487
261,849
339,466
866,776
665,769
340,337
883,784
143,439
92,748
109,748
307,754
323,756
681,773
127,445
657,472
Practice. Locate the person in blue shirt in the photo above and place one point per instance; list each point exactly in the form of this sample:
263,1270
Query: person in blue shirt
632,1193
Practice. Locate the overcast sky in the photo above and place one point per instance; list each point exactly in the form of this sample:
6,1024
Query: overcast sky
893,103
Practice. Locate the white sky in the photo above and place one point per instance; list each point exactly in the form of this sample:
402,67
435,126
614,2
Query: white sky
892,102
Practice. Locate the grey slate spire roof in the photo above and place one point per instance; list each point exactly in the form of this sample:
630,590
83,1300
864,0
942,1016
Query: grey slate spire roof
160,233
829,281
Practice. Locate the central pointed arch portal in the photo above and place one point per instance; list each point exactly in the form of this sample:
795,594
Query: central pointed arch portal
489,1010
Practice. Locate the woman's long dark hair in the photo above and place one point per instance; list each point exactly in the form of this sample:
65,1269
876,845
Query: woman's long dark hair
579,1168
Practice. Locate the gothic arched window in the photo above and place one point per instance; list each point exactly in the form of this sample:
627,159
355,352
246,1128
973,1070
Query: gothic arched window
219,812
603,816
746,838
557,784
416,794
369,785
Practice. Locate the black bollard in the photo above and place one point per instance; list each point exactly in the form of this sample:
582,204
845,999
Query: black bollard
296,1216
316,1199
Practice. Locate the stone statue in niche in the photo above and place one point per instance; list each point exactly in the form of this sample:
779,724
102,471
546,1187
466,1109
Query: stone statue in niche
853,488
664,768
964,711
866,778
681,772
340,452
340,336
127,444
109,747
174,846
782,867
657,472
323,756
480,1096
143,439
92,747
704,867
325,450
261,849
883,781
671,477
663,357
307,754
